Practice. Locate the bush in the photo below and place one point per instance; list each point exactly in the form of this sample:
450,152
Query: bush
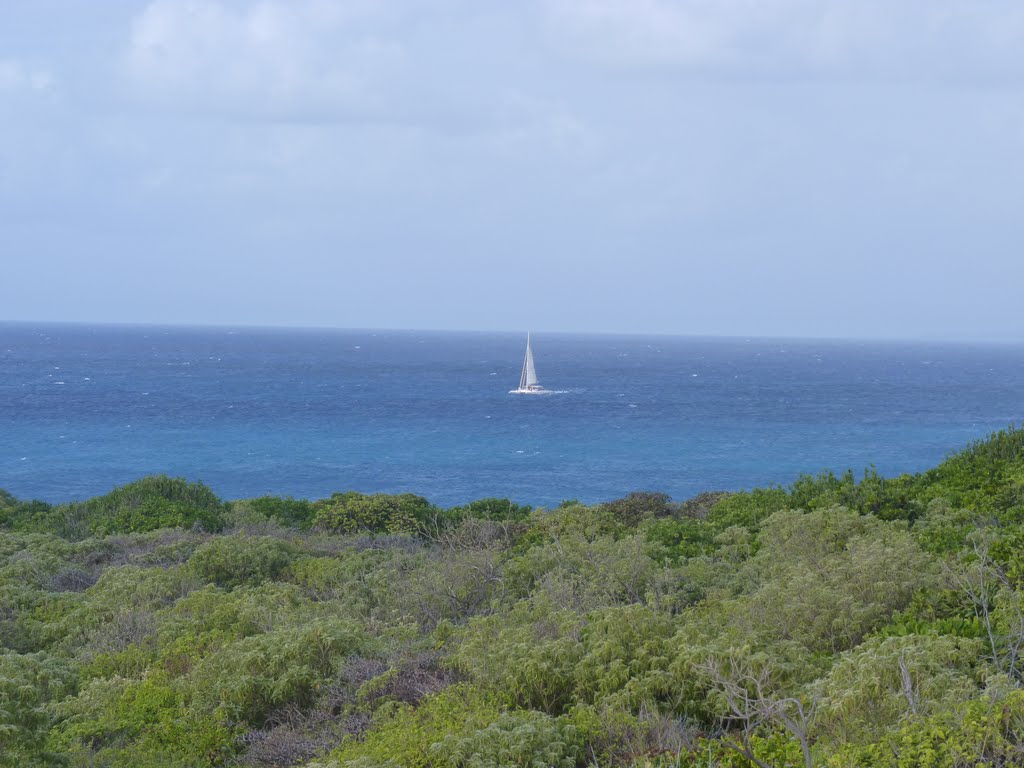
405,734
527,739
489,509
826,579
295,513
145,505
28,684
248,679
875,686
230,561
24,515
353,512
988,731
631,509
126,723
748,509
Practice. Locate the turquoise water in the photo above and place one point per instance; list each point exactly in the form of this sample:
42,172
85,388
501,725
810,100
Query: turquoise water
308,412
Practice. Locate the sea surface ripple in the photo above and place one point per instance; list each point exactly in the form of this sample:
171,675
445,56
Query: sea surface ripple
308,412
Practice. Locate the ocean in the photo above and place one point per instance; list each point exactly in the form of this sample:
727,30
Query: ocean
303,413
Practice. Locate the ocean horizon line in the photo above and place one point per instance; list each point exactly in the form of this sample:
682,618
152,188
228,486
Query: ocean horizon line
697,336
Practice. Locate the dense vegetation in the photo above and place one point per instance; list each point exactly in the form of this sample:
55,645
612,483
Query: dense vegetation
839,622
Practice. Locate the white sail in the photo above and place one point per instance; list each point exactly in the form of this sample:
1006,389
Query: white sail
528,383
529,376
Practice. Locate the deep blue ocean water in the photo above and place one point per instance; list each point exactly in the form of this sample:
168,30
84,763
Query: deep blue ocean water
307,412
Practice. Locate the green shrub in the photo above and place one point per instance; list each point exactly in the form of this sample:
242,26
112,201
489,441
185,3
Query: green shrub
872,688
827,578
225,615
528,655
126,723
637,506
627,653
405,734
28,684
634,633
748,509
680,538
294,513
522,739
353,512
489,509
230,561
988,731
247,679
25,515
148,504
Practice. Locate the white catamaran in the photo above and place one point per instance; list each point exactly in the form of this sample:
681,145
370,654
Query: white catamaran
528,384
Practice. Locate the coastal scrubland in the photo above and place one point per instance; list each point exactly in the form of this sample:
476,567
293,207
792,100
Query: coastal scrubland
847,620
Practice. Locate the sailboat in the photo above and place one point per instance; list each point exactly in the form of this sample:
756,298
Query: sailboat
528,384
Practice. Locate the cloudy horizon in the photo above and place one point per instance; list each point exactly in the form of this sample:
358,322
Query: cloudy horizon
783,168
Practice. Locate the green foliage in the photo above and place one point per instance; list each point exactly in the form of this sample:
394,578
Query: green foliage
942,529
987,477
869,621
206,619
459,583
626,655
514,740
540,657
24,515
987,731
489,509
571,519
583,573
353,512
748,509
404,735
248,679
637,506
75,621
709,666
885,498
28,685
125,723
1008,552
229,561
873,688
528,655
294,513
827,578
611,735
681,538
146,505
357,581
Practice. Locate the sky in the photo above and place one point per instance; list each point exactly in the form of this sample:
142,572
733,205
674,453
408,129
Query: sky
843,168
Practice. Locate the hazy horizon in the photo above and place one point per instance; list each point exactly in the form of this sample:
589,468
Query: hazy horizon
537,333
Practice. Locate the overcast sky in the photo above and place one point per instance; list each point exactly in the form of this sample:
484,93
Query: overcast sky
847,168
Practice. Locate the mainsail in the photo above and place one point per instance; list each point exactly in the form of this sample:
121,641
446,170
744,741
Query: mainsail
528,378
528,384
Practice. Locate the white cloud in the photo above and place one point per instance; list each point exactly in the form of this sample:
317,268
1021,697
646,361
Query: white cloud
271,58
948,39
19,76
449,65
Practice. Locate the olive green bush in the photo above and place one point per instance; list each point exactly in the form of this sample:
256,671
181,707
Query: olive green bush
847,620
